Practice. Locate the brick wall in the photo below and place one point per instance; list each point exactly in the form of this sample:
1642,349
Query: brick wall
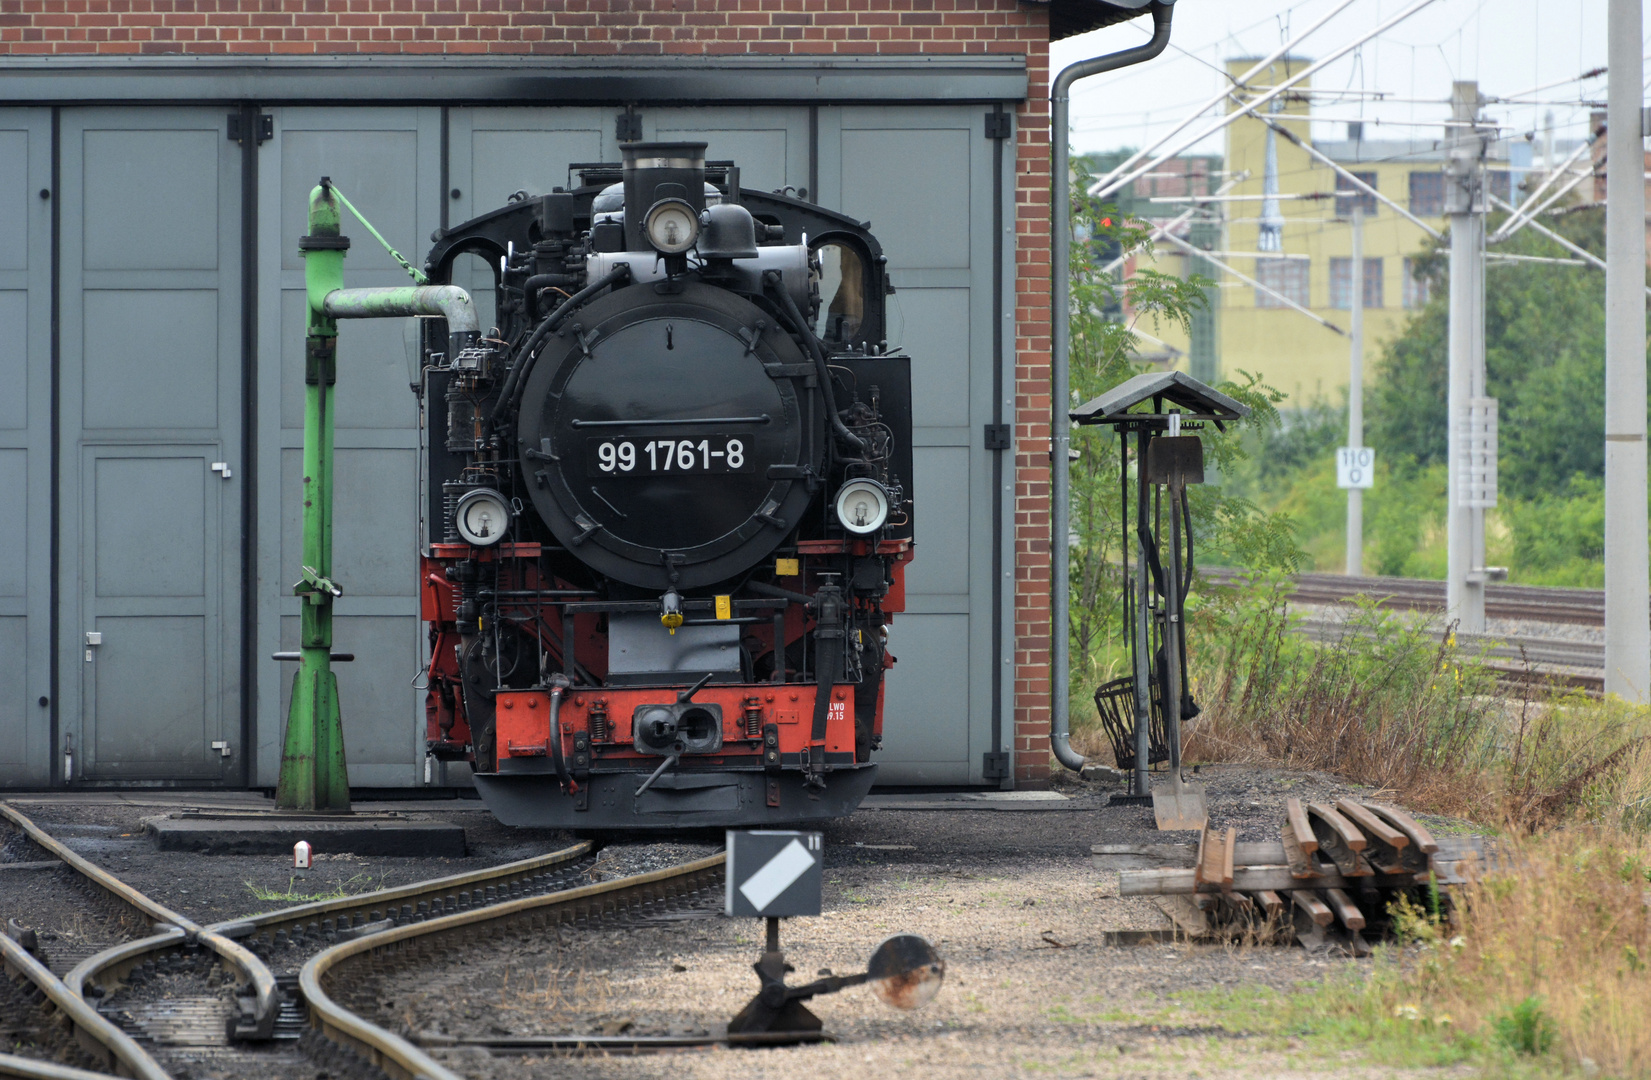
570,27
1032,405
673,27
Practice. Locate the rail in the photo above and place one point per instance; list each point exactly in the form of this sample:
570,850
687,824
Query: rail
1543,603
97,1037
112,966
399,1058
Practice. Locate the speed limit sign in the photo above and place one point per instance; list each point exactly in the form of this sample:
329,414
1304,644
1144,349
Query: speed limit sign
1355,467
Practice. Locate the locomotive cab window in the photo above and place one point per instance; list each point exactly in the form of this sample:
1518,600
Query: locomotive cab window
842,292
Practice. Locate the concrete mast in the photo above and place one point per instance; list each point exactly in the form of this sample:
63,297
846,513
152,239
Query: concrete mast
1627,577
1465,205
1355,392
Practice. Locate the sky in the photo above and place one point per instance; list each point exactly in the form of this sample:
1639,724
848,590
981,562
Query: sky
1509,46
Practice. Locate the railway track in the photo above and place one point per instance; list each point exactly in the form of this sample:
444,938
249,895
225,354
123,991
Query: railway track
245,1018
1516,658
341,984
1534,603
162,994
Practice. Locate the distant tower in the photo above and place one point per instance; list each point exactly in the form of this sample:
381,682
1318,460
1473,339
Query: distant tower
1202,358
1270,237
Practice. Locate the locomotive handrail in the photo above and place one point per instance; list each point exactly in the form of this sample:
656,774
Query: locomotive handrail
669,422
812,344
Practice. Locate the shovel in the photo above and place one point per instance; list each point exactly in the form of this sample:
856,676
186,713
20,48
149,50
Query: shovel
1181,806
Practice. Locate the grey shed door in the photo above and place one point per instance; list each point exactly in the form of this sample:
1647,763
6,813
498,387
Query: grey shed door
151,401
922,175
387,162
25,445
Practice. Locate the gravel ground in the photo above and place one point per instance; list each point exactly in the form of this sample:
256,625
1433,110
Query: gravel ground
1496,629
1008,896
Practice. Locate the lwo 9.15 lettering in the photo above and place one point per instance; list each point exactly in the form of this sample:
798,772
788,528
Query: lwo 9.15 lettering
650,457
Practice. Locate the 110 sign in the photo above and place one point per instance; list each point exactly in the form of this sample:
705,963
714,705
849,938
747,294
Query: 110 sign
1355,467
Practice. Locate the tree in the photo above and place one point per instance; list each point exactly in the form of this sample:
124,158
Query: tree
1544,363
1227,529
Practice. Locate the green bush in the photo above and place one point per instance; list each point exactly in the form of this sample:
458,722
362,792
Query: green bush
1526,1028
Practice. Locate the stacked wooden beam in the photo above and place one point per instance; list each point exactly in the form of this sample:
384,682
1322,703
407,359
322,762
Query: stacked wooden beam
1327,881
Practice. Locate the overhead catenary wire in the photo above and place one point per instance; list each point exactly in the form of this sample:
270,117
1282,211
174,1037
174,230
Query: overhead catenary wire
1499,256
1114,181
1240,275
1508,226
1176,223
1256,69
1521,216
1580,252
1358,184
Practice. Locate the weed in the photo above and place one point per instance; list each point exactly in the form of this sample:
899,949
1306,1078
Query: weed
359,883
1526,1029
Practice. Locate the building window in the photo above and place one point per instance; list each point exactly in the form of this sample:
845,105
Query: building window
1417,289
1353,196
1427,193
1341,281
1285,276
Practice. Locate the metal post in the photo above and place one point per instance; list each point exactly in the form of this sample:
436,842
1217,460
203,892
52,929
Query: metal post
1143,636
1627,577
1355,395
1060,378
1465,574
313,775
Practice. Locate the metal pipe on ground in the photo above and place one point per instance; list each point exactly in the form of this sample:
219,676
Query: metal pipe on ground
1060,424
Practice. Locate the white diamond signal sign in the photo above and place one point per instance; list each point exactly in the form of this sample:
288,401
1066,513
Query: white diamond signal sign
774,873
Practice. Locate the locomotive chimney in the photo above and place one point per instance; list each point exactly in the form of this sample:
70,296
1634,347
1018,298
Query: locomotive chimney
660,170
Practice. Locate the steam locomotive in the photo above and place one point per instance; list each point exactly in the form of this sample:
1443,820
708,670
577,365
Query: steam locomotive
669,503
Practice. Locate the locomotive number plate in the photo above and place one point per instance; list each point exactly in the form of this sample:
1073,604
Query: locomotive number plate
714,454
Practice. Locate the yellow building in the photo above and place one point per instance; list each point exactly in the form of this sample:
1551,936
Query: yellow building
1300,244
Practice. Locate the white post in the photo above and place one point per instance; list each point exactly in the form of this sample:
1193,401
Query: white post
1465,573
1627,577
1355,394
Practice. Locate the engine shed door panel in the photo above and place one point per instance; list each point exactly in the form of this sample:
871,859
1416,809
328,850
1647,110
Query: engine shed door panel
935,225
387,162
151,479
25,446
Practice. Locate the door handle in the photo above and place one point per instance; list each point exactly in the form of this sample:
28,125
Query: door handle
94,638
221,468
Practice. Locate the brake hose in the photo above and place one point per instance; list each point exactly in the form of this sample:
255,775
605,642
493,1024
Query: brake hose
523,367
772,277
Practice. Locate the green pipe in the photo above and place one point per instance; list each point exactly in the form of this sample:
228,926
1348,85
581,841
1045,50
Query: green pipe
313,773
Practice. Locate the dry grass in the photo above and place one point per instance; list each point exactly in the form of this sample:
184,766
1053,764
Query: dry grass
1550,955
1398,705
1387,704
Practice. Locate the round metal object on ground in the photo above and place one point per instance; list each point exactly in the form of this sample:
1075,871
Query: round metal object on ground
906,971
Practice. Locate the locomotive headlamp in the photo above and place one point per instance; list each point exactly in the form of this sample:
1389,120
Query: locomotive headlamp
482,517
862,506
672,226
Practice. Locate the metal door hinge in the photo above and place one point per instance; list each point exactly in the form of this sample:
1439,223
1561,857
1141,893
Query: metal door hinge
627,126
995,766
263,127
222,747
999,437
999,125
